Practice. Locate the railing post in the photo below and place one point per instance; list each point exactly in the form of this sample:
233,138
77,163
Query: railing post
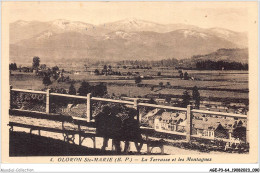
88,107
10,106
137,110
48,101
189,124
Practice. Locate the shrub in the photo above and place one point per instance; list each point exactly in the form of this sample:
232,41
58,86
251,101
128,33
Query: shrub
46,80
138,80
84,89
72,90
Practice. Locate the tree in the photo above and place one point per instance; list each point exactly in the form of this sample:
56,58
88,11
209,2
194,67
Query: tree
72,89
15,66
168,99
161,84
48,72
196,97
186,76
55,76
185,99
96,72
46,80
86,67
43,66
105,69
181,75
12,66
138,80
240,123
54,72
36,62
84,89
55,69
159,74
99,90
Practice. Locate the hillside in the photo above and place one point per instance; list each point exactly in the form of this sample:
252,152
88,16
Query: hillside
228,55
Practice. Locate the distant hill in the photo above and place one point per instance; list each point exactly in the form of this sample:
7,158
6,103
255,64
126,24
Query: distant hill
228,55
122,40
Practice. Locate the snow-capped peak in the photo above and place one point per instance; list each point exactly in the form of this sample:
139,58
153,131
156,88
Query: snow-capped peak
45,35
192,33
69,25
222,32
119,34
123,34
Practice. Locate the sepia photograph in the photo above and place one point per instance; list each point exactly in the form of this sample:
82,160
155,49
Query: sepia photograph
150,80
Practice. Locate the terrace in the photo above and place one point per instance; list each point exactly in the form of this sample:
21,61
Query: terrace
50,106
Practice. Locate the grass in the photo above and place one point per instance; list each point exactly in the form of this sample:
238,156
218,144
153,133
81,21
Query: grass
142,91
237,80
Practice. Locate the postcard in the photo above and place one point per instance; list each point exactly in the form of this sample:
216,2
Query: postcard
129,82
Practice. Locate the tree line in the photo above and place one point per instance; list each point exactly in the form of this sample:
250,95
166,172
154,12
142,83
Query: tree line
85,88
220,65
171,62
12,66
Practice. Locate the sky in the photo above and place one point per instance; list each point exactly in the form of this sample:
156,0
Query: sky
229,15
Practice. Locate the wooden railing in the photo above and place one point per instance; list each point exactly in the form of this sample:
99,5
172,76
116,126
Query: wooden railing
189,111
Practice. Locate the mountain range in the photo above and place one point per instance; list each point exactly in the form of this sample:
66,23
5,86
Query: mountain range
130,39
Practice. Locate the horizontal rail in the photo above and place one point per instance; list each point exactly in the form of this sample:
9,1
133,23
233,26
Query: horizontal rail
67,95
111,100
29,91
50,116
162,106
129,98
219,113
139,104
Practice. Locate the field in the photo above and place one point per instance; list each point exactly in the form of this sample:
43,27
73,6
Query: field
140,91
207,79
215,87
